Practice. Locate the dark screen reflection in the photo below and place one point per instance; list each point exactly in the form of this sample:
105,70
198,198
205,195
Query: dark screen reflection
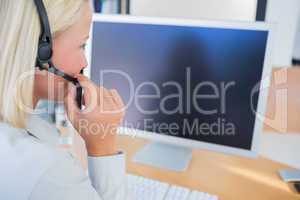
187,82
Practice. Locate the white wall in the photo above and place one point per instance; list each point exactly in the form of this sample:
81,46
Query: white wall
285,14
297,42
207,9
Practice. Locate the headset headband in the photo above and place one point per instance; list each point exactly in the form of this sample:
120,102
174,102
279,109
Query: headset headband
46,32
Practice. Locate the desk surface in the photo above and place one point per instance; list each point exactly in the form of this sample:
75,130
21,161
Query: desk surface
229,177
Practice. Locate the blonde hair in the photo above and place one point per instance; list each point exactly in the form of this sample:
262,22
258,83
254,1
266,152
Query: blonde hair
19,35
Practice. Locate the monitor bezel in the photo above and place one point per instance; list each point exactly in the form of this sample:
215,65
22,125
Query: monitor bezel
262,99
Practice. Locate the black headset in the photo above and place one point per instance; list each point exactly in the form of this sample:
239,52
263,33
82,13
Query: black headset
44,54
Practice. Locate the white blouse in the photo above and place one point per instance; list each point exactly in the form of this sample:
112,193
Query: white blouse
34,167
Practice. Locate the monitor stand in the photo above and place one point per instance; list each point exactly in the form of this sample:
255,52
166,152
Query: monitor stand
290,175
165,156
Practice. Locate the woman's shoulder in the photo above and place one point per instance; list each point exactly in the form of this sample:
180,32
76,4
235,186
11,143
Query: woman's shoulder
19,143
24,159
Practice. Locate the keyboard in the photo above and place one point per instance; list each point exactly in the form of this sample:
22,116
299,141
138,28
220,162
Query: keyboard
140,188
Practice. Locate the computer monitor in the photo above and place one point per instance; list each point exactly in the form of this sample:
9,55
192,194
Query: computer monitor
185,83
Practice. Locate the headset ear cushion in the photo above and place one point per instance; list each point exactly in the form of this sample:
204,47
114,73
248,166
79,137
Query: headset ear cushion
44,52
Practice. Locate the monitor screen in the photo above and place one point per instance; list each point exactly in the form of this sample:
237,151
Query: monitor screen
183,81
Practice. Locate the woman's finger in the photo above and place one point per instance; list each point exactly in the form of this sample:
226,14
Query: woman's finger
89,91
118,100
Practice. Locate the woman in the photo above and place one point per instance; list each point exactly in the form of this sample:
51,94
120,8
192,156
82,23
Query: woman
32,165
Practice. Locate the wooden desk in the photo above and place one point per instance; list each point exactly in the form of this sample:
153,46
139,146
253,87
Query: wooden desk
229,177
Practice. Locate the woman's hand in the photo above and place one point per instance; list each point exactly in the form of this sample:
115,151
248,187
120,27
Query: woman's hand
98,122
